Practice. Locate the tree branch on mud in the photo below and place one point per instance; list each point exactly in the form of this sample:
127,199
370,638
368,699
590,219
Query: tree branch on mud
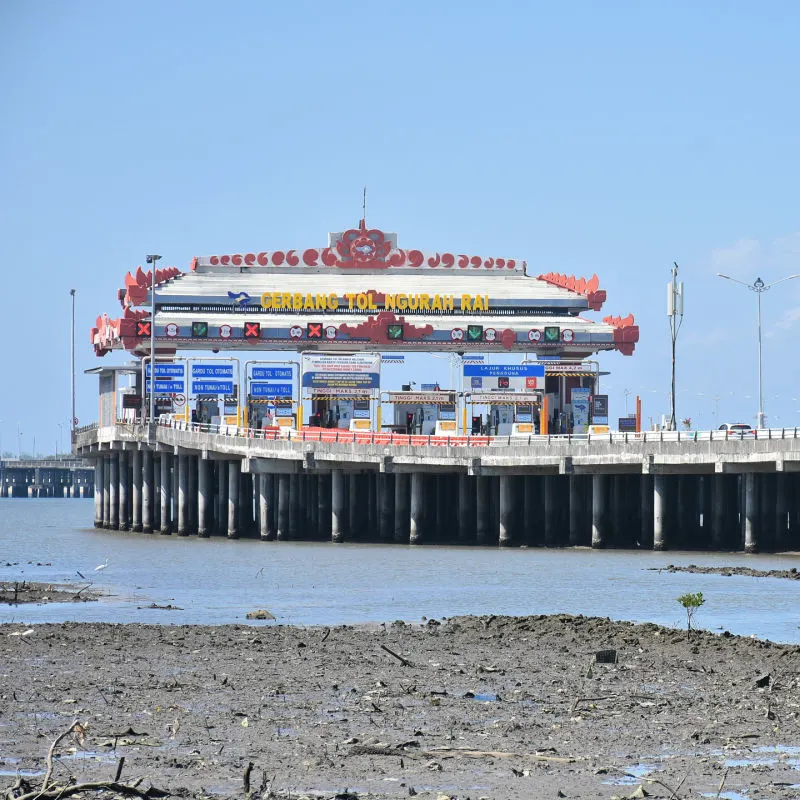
22,789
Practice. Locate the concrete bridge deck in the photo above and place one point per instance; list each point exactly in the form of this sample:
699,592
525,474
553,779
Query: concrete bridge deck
683,489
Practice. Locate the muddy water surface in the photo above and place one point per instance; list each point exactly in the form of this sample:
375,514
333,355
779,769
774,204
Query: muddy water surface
216,581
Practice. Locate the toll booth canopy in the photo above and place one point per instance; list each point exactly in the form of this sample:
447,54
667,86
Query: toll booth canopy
505,410
419,412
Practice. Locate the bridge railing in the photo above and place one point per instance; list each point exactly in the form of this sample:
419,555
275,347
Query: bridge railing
335,435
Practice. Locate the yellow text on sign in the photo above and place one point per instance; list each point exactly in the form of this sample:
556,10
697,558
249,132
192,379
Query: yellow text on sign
366,301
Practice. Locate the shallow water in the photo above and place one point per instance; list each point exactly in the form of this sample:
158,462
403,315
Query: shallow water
217,581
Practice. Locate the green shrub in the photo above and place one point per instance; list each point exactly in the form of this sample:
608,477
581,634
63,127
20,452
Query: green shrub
691,602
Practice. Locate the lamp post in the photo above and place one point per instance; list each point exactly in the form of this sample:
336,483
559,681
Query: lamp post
153,260
758,286
73,420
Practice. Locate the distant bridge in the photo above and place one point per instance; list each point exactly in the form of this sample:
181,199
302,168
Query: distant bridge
46,477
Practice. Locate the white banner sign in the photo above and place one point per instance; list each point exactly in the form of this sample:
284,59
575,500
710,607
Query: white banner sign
505,398
422,397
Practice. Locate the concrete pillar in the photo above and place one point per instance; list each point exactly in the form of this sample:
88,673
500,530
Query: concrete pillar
354,506
506,512
113,496
372,515
203,497
324,505
337,506
767,498
552,507
194,493
599,511
124,491
466,508
684,531
245,503
401,506
183,495
234,471
147,491
781,512
99,467
718,503
284,498
136,496
166,493
222,497
483,511
619,521
577,511
646,494
660,499
531,508
156,492
751,521
174,478
386,491
417,516
312,506
294,506
265,530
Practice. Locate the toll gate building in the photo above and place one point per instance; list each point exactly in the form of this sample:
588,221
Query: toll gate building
363,294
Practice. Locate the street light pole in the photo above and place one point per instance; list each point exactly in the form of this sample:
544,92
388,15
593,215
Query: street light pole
759,287
73,421
152,259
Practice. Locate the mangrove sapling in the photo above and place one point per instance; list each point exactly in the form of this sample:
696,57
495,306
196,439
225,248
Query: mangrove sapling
691,602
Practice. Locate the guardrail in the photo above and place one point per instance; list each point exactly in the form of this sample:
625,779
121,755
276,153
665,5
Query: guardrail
335,435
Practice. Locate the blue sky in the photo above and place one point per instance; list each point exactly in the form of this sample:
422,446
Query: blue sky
584,137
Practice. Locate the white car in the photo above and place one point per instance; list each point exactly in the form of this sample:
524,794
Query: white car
737,429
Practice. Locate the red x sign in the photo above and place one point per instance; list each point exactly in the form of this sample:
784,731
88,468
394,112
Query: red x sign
142,328
252,330
314,330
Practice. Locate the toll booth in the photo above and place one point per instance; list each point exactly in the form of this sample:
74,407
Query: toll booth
271,399
507,413
349,410
423,413
568,386
275,412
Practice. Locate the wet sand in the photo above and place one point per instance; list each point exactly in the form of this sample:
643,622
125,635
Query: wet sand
18,592
494,707
790,574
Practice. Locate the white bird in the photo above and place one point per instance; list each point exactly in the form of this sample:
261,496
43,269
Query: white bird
101,567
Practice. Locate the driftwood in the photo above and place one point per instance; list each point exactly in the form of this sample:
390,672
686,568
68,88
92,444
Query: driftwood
455,752
53,791
404,661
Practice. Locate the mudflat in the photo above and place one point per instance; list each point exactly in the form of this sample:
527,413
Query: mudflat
469,707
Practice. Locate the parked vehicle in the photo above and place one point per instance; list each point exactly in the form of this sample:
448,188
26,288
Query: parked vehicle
737,429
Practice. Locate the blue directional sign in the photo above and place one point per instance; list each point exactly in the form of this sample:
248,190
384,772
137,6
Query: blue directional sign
167,387
270,389
212,370
212,387
168,370
504,370
271,373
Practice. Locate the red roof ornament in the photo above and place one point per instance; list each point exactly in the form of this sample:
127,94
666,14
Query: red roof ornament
590,289
626,333
376,328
